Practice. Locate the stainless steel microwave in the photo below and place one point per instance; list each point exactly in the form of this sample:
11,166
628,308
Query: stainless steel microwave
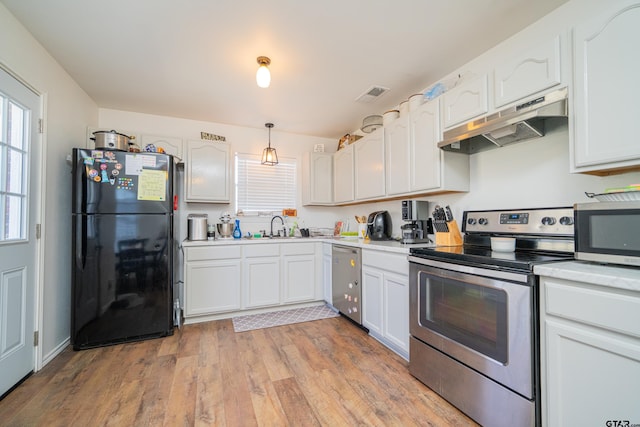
608,232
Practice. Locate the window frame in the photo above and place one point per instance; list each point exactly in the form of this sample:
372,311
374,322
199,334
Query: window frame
291,199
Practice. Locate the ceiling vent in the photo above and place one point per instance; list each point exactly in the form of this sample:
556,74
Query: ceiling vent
371,94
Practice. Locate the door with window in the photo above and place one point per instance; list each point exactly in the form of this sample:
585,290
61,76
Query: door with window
19,189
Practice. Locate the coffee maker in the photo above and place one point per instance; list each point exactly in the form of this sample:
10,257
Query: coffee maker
418,226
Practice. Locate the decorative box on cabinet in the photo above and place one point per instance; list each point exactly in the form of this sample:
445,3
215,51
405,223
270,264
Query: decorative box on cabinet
343,177
606,91
317,179
369,166
530,72
464,102
385,298
207,172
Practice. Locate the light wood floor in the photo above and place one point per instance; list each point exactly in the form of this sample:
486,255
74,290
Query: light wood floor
326,372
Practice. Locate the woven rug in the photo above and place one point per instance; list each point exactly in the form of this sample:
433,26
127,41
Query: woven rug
279,318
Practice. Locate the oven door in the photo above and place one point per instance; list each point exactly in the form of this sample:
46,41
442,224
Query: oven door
482,318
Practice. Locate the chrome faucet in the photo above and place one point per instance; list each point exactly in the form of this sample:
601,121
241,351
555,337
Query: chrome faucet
283,227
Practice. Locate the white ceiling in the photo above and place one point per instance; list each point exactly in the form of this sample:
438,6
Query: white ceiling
196,59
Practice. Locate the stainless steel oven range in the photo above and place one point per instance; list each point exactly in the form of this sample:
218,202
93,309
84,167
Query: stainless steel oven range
474,313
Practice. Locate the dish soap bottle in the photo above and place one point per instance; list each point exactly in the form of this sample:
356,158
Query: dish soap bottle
237,233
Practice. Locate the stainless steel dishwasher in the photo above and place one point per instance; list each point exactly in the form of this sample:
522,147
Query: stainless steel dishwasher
346,283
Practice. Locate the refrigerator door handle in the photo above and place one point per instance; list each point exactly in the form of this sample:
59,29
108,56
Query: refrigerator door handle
81,255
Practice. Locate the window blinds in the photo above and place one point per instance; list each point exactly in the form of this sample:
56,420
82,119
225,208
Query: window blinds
262,188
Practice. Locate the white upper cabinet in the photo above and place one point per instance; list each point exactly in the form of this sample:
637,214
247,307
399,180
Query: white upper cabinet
397,156
369,166
606,92
414,163
467,100
317,179
207,172
529,72
343,175
426,158
171,145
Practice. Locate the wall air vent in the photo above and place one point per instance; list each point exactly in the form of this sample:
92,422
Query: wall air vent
371,94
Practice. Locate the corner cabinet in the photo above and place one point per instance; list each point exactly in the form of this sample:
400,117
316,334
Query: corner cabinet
317,179
207,172
606,91
369,166
343,177
414,163
433,169
385,298
590,352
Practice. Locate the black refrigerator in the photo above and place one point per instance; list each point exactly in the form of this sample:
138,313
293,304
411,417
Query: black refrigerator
123,247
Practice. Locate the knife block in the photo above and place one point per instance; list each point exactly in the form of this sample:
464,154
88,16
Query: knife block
451,237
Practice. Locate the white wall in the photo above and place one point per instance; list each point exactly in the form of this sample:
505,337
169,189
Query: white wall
68,112
241,139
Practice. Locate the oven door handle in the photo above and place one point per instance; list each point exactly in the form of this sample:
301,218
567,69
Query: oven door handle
476,271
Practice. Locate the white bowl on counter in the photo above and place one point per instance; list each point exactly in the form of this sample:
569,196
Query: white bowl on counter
503,244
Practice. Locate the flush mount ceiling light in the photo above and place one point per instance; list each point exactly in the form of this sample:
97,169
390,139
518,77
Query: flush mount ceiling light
263,75
269,155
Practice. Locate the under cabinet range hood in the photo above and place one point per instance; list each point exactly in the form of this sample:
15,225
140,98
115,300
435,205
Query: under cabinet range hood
513,124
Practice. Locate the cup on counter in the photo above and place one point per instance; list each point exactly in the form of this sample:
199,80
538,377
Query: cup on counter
362,230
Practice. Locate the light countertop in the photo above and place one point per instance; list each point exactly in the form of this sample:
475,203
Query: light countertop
609,275
380,245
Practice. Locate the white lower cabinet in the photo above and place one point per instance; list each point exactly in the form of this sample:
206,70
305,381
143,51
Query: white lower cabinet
590,354
299,273
372,279
223,280
385,298
261,278
212,280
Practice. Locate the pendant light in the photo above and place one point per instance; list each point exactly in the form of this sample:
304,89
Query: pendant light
263,75
269,155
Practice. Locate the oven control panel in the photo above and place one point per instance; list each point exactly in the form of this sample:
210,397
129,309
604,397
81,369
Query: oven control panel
543,221
514,218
